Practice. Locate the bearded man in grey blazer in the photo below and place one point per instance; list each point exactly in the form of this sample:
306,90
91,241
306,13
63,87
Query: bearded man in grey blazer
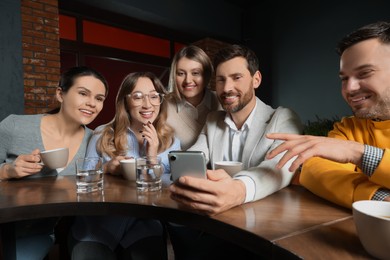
237,134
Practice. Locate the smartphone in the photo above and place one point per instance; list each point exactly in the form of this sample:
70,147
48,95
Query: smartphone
187,163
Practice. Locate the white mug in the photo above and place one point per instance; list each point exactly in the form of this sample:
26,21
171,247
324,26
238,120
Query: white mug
231,167
128,169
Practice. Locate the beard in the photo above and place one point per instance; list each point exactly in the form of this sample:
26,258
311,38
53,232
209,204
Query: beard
379,110
243,100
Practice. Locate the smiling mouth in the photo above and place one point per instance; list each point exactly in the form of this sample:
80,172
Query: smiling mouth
189,87
229,98
146,113
358,99
86,111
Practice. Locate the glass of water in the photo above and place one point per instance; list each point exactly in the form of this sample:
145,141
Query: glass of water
89,174
149,172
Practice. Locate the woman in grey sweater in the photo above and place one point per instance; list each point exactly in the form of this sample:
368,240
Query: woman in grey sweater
81,93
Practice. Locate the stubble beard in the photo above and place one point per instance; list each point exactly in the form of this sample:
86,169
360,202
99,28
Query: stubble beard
380,110
242,102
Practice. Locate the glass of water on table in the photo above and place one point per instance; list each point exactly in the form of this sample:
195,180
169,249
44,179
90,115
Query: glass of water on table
89,174
149,173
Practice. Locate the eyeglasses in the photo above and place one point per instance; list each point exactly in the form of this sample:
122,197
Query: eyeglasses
138,97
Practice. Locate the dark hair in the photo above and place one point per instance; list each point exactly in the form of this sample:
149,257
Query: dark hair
68,77
234,51
380,30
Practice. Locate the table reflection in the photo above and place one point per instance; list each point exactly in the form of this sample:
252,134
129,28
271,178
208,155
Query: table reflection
97,196
286,220
149,197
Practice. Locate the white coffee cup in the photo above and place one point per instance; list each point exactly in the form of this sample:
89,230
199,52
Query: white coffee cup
56,158
128,169
372,222
231,167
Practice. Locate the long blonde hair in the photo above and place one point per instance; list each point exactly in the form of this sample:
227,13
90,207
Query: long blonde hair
113,140
195,53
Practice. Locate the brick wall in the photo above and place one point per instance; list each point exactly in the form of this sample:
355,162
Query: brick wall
41,54
210,47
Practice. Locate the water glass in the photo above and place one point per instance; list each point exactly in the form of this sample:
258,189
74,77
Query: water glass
91,196
149,172
89,174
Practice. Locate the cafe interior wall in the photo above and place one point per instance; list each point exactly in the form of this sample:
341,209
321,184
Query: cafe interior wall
305,65
294,40
11,69
13,59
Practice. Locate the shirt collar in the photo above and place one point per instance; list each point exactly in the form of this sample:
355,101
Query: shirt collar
248,122
206,102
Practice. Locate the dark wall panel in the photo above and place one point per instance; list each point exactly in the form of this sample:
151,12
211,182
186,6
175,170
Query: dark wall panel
11,69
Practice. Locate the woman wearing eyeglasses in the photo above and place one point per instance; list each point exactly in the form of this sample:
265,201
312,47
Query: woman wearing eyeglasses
138,128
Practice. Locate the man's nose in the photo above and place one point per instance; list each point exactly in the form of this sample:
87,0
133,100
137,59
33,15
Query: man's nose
352,84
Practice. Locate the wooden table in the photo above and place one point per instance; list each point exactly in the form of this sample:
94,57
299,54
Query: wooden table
290,224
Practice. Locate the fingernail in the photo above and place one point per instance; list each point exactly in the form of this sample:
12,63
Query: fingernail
140,131
143,136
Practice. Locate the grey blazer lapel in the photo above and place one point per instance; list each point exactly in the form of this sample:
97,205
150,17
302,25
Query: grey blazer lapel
256,131
219,144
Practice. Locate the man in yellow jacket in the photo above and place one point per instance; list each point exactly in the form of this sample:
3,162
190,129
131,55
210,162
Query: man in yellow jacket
353,162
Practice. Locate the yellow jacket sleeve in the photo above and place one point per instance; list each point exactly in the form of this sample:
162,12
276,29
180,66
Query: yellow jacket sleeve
336,182
344,184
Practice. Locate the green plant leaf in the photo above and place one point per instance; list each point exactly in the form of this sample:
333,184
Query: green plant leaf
320,127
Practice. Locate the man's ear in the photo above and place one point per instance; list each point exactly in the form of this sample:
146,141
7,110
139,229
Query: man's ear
256,79
59,94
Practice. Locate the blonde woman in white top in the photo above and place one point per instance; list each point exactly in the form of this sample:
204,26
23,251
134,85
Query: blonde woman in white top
190,99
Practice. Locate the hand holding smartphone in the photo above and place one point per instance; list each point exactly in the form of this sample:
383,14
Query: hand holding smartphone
187,163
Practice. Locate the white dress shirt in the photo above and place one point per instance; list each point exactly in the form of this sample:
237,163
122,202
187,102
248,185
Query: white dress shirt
236,143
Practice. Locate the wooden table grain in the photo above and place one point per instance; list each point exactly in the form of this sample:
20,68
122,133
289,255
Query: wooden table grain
290,224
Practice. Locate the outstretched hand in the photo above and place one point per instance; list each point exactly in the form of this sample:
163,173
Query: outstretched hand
216,194
307,146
